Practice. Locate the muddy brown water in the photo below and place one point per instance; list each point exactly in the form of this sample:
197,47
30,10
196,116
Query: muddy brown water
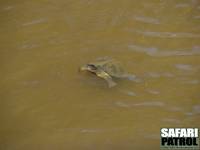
46,104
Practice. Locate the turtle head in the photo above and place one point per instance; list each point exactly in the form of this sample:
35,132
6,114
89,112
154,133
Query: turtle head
89,67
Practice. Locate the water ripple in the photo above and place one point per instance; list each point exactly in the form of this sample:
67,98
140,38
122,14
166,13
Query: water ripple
171,120
159,74
33,22
196,17
154,51
154,92
129,93
98,130
193,82
155,103
145,19
185,67
8,8
169,34
149,104
182,5
196,109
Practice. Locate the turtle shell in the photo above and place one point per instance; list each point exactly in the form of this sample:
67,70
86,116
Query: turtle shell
110,66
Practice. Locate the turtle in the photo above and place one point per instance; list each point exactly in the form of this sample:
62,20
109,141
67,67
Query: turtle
107,69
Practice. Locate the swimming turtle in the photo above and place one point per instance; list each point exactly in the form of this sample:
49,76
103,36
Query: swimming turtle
107,68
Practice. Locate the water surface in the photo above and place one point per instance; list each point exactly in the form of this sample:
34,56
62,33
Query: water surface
47,105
